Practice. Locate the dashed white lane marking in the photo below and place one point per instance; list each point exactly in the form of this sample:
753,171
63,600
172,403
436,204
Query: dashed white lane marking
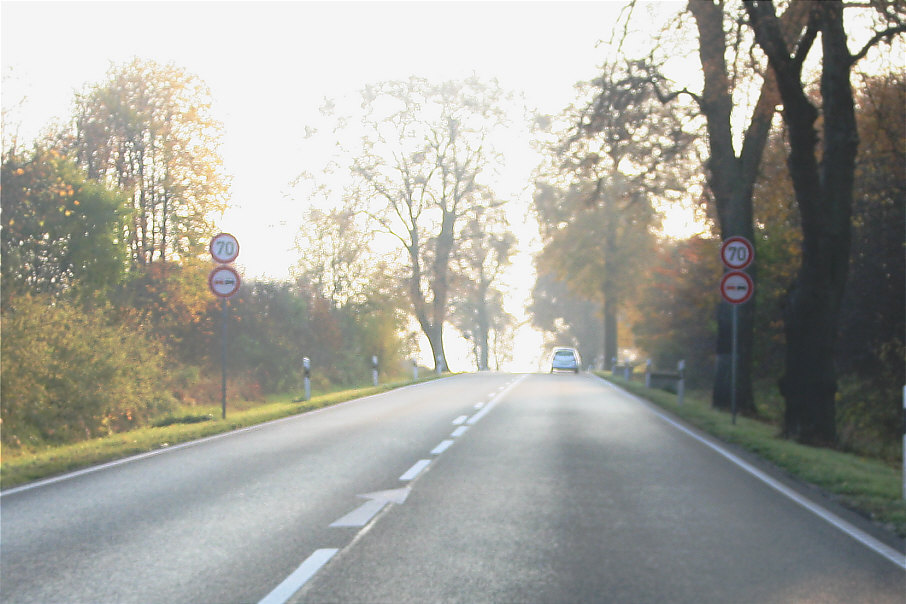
363,514
416,469
443,446
493,402
484,411
299,577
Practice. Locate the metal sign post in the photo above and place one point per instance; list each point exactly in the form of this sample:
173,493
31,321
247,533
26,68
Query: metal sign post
736,288
223,357
224,281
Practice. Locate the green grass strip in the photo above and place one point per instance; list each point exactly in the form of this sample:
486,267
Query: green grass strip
868,486
26,466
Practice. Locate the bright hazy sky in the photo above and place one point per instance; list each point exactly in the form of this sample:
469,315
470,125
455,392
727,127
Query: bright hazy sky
269,66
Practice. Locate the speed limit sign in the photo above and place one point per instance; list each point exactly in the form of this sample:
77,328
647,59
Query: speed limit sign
224,248
737,253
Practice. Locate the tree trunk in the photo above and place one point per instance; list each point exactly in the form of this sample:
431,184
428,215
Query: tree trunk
483,331
731,180
824,193
809,382
435,335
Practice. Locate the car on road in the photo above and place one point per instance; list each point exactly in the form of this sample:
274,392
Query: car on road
565,359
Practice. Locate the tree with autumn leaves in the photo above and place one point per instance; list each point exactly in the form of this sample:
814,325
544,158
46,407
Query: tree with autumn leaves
106,315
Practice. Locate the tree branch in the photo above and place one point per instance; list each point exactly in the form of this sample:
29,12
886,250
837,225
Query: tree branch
888,33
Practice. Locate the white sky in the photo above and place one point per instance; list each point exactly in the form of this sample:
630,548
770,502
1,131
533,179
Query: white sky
269,66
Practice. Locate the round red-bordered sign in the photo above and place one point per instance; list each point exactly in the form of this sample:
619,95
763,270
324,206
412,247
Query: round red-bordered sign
224,248
737,287
737,253
224,281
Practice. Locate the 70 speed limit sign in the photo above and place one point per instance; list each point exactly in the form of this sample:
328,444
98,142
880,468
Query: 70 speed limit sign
737,253
224,248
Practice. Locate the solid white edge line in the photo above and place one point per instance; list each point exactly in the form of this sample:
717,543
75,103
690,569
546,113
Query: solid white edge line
443,446
859,535
299,577
140,456
416,469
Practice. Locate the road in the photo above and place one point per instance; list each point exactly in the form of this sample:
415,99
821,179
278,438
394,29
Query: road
477,488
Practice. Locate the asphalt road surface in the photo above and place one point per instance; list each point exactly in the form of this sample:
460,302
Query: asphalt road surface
477,488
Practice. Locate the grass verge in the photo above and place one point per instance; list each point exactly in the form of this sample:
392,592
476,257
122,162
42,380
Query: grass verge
870,487
26,466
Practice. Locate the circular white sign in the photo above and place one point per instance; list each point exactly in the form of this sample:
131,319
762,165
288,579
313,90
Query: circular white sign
737,287
224,281
224,248
737,253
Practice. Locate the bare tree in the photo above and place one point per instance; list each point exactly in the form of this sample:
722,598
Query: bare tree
424,148
486,249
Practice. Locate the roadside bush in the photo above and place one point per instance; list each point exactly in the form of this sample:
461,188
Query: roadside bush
70,373
868,418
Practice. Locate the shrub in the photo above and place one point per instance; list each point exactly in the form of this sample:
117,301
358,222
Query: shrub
70,373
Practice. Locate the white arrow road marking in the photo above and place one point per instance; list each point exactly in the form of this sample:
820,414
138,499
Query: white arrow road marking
459,431
363,514
416,469
300,576
443,446
397,496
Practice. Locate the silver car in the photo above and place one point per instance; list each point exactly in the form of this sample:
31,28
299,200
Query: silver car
565,359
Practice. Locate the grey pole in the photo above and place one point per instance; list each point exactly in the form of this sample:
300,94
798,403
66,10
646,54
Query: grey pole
223,358
733,364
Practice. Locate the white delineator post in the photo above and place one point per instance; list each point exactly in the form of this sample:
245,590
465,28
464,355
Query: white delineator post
306,366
